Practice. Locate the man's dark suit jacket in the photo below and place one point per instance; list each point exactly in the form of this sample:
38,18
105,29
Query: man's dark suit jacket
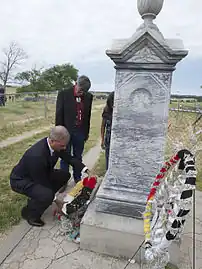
66,110
37,163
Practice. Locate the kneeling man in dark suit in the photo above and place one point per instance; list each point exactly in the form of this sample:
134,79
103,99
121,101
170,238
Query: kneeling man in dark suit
35,176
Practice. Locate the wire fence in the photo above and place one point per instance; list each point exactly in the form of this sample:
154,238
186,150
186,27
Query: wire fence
26,106
26,112
37,96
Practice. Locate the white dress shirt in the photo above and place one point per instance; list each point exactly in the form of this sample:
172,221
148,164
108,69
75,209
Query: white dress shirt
51,153
51,150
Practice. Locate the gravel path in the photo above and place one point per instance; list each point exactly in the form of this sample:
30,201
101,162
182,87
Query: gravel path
12,140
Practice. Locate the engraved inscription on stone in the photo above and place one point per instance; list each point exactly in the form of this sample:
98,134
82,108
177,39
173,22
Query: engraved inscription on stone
145,55
141,100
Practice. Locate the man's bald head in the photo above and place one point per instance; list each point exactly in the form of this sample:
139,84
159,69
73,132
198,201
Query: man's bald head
59,133
59,138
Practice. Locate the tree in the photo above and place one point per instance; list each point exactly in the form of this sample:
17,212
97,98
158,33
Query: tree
60,76
13,57
55,78
32,79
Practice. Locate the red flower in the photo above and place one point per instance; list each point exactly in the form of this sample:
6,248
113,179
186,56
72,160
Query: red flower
159,176
85,181
152,193
90,182
176,157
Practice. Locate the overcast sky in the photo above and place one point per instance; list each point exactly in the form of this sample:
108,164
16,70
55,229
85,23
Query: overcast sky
79,31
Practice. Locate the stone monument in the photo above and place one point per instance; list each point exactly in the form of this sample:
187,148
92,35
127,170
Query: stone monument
144,65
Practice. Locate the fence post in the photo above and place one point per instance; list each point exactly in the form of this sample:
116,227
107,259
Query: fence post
45,106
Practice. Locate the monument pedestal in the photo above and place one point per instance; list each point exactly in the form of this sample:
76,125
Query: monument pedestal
117,236
110,234
144,65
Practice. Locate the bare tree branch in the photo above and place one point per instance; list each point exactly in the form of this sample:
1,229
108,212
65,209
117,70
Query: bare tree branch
13,56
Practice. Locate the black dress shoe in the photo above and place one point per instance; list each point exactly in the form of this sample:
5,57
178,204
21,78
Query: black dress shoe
24,212
35,222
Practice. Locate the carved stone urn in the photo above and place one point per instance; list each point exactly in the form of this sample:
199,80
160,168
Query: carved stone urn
149,9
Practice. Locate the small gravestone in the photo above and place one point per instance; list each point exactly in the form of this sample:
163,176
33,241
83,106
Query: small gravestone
144,65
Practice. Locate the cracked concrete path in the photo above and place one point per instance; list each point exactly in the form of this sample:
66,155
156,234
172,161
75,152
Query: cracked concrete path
45,248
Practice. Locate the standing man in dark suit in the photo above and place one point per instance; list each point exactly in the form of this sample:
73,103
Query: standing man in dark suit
73,110
35,176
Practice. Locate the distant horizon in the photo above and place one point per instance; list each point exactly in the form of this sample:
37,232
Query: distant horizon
105,91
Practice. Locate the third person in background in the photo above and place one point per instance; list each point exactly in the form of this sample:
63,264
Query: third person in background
106,126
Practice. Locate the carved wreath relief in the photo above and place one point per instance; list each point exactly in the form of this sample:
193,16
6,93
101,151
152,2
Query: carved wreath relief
141,99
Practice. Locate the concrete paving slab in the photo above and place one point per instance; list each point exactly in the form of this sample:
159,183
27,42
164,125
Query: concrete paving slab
46,248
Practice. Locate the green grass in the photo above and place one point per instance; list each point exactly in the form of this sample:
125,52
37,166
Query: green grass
21,110
199,178
18,129
96,119
170,266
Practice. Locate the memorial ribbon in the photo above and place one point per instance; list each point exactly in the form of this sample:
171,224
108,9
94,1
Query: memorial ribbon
168,204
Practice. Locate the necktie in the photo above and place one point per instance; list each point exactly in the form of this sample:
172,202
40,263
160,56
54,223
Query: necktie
54,159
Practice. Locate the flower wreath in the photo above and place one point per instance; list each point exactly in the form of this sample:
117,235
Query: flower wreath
168,204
